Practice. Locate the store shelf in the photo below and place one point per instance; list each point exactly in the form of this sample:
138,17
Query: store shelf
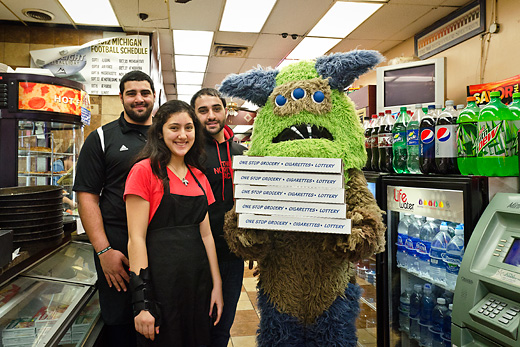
427,279
372,305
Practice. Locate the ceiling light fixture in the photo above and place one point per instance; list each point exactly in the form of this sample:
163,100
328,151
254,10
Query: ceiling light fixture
190,63
312,47
245,16
343,18
183,41
93,12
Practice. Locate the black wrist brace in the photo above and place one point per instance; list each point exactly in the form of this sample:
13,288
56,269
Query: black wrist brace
142,295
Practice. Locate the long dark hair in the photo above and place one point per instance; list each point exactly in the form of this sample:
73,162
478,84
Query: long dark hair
155,148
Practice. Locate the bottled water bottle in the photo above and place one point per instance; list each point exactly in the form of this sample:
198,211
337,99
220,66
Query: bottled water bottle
438,314
402,235
404,310
454,254
426,235
412,140
411,243
438,253
451,228
425,322
415,311
446,327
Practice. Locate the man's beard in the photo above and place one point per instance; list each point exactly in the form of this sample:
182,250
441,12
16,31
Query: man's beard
213,132
138,117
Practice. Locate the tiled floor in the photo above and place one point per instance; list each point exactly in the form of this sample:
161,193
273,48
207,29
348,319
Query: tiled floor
243,331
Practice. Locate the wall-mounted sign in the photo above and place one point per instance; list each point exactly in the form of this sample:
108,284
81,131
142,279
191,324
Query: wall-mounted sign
506,88
455,28
98,64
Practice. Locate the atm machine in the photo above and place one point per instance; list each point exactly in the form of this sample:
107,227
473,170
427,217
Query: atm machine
486,305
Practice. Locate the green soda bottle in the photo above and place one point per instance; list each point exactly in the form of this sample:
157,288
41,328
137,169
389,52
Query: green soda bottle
495,140
467,138
515,124
400,154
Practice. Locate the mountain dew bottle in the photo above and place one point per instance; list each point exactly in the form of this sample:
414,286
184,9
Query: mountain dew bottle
495,153
467,138
515,108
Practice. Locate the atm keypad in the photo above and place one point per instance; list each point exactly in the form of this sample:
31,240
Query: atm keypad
493,308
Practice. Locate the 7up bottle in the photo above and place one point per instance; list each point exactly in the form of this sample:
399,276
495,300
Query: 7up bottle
495,153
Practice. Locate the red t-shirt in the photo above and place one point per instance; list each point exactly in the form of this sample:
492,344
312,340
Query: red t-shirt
142,182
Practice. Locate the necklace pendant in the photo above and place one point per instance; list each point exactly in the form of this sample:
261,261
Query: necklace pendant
185,181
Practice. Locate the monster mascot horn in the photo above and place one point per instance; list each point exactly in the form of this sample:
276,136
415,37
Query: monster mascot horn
306,290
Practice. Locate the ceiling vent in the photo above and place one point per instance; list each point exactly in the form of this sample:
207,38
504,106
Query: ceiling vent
38,14
230,51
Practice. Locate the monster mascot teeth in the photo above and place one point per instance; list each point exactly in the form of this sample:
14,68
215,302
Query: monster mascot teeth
307,294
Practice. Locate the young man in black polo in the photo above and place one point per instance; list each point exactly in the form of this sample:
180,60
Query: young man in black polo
210,108
103,164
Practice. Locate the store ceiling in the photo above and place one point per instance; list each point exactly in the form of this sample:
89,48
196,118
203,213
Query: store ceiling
394,22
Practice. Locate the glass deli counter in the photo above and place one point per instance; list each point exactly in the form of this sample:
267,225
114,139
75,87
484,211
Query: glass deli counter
52,303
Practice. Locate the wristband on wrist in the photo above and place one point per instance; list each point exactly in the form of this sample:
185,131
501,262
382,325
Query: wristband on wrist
104,250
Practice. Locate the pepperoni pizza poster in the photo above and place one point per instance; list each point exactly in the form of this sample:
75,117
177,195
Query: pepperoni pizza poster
50,98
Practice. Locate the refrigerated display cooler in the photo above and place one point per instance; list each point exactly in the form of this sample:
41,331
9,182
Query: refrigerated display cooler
54,302
453,199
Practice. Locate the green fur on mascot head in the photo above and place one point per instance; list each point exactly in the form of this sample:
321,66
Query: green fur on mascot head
305,112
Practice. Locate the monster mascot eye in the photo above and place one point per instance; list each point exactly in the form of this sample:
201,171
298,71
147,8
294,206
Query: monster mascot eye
318,97
280,100
298,94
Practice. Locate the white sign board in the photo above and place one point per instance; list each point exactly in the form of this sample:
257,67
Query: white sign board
331,196
290,208
98,64
317,225
296,164
272,178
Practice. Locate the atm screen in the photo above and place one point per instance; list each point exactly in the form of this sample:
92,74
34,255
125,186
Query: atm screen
513,256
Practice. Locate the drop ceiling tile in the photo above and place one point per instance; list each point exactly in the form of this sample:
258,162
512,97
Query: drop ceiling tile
296,16
5,14
48,5
385,45
224,65
348,44
196,15
380,27
417,2
211,80
250,64
273,46
127,13
237,39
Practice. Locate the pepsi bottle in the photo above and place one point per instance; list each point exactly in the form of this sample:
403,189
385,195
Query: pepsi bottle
446,141
385,143
427,142
375,143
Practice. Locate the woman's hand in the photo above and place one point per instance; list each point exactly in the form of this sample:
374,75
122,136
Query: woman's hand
145,325
217,304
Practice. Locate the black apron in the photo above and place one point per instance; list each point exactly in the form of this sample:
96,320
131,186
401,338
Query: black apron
180,270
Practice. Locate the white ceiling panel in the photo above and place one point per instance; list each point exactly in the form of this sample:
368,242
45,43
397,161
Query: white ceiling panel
379,27
223,65
296,16
127,13
212,79
385,45
349,44
417,2
273,46
238,39
5,14
253,64
196,15
16,6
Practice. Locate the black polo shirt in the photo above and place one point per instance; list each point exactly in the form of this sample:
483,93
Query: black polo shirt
103,171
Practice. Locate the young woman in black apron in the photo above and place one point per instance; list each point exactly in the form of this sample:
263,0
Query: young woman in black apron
175,280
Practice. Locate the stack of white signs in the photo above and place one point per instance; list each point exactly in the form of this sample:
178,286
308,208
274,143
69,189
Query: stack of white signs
293,194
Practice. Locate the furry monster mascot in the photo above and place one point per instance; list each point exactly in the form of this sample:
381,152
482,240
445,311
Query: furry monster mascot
306,290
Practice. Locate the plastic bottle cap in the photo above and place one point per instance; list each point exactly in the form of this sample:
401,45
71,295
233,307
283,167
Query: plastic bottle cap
427,286
431,107
417,287
430,219
450,102
496,93
402,109
441,301
418,106
516,95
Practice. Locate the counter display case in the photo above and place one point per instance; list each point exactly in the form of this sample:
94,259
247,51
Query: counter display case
53,302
